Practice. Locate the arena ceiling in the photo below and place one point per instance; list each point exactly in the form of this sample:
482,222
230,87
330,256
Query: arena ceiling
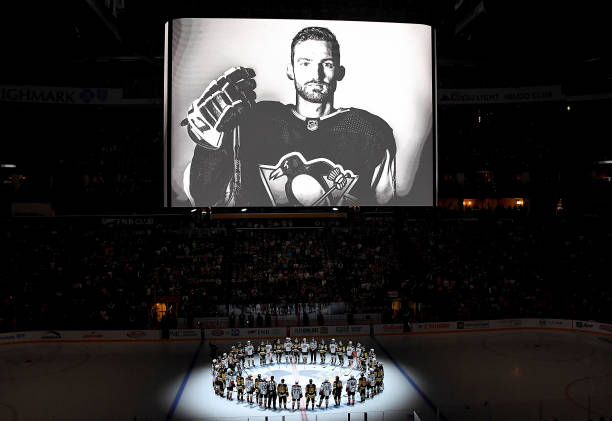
480,42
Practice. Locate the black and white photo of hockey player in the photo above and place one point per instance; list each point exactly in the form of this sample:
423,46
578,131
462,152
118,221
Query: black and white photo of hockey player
310,153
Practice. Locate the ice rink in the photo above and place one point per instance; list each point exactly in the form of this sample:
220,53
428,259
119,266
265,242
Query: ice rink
508,375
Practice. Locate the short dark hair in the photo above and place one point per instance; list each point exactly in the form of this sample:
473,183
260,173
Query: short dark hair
316,33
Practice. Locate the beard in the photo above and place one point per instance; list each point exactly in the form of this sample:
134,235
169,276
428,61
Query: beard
317,92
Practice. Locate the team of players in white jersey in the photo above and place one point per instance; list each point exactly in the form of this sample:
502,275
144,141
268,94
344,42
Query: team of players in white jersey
228,372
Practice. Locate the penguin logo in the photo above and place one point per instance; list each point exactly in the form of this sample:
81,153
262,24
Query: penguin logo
293,181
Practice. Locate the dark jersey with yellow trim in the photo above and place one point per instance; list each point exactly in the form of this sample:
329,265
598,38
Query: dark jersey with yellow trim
282,390
363,383
352,140
239,382
338,385
311,390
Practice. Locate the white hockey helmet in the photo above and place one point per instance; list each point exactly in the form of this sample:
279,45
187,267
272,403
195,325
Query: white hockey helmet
297,382
333,340
248,342
225,354
350,342
214,361
326,379
371,349
352,377
358,344
304,340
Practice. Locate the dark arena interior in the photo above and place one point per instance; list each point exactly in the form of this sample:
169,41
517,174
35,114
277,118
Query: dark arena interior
403,212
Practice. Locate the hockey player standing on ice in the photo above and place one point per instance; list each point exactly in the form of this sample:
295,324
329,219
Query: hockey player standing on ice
378,374
337,390
358,351
304,154
350,350
304,345
240,354
283,391
261,350
371,358
220,384
322,351
341,351
296,351
240,386
258,382
263,385
248,349
278,350
250,388
333,347
311,393
296,395
325,392
351,388
363,384
371,383
271,392
313,351
288,346
363,359
269,352
230,383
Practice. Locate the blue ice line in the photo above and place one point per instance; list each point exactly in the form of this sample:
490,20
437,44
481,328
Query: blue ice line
177,398
412,382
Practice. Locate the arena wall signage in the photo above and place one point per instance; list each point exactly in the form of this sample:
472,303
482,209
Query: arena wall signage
274,113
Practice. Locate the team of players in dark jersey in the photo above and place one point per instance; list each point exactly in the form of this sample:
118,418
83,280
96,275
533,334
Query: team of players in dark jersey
230,372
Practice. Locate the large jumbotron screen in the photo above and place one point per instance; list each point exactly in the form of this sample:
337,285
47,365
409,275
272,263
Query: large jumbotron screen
282,113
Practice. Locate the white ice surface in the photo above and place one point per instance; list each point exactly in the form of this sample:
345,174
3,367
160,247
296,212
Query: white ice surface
518,374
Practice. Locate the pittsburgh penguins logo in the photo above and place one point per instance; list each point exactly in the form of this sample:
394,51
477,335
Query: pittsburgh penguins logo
293,181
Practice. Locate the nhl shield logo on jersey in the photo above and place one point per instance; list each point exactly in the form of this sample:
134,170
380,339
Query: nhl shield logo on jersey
294,181
312,125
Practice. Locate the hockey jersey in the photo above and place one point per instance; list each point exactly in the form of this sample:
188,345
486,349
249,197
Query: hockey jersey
371,378
313,346
337,384
351,385
249,350
326,388
296,392
332,348
286,159
311,390
282,390
288,346
249,384
304,346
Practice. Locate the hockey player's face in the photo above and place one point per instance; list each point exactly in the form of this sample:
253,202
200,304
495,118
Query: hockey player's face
315,71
